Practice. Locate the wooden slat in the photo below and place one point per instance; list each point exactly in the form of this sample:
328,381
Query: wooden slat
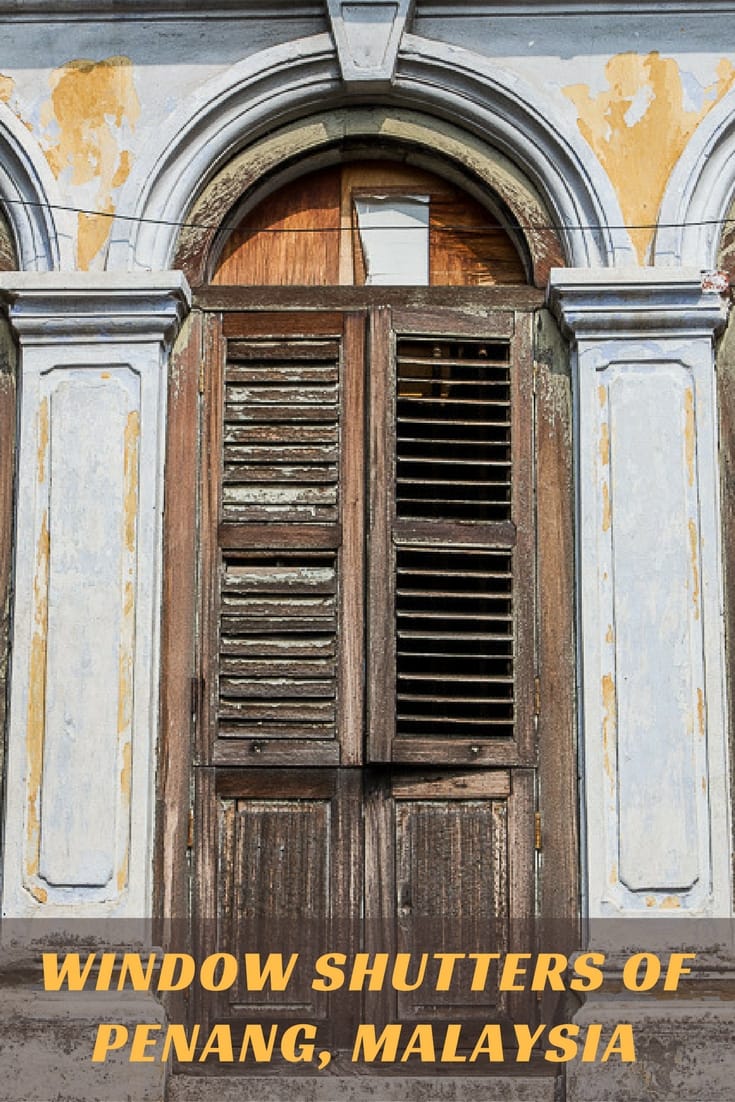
448,785
276,536
266,351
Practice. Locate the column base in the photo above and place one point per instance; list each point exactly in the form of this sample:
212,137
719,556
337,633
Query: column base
47,1040
683,1049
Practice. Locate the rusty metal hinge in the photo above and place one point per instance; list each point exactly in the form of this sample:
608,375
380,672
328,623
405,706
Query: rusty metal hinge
537,696
190,830
537,836
201,375
195,687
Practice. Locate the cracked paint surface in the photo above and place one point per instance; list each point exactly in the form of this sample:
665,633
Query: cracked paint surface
88,122
639,127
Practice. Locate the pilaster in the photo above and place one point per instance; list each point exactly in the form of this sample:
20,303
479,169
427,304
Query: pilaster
84,688
653,738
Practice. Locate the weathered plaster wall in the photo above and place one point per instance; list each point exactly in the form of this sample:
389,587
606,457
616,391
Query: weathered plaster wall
105,89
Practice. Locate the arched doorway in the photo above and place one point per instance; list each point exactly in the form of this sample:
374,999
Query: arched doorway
372,626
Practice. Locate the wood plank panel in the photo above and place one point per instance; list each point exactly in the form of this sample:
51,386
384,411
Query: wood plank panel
304,249
305,233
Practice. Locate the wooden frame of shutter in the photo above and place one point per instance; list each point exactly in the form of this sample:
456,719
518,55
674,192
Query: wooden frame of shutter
341,538
387,533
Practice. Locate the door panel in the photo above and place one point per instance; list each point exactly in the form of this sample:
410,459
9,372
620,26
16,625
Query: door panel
285,879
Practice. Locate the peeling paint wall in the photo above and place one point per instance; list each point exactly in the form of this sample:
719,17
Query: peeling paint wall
94,96
88,123
639,126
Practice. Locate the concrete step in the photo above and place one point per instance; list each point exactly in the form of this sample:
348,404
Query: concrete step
360,1088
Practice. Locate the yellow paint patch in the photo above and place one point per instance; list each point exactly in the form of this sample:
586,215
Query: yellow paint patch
92,233
700,711
639,127
608,720
36,719
670,903
92,103
7,87
695,567
613,877
130,477
689,433
122,873
126,771
42,439
604,444
609,637
606,512
602,394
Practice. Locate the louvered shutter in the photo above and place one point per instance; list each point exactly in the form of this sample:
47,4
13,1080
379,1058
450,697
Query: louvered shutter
281,635
451,592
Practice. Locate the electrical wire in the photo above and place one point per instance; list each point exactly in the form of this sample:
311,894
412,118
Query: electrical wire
495,228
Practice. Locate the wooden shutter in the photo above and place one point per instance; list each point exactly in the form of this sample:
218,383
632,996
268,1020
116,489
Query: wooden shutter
284,615
452,581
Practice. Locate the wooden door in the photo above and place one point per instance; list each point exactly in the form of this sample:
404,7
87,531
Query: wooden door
366,752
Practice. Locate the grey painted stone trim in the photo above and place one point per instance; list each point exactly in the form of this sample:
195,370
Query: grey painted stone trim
32,201
33,11
367,36
699,192
635,302
95,306
650,598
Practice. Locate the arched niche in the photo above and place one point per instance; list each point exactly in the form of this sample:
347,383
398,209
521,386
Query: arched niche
482,187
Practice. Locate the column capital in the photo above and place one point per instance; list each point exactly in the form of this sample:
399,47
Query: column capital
46,308
591,303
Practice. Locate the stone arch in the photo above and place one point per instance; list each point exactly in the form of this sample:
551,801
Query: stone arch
284,84
31,201
700,193
324,139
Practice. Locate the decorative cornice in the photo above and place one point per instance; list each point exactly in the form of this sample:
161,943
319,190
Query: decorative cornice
531,8
636,302
75,10
34,11
49,307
